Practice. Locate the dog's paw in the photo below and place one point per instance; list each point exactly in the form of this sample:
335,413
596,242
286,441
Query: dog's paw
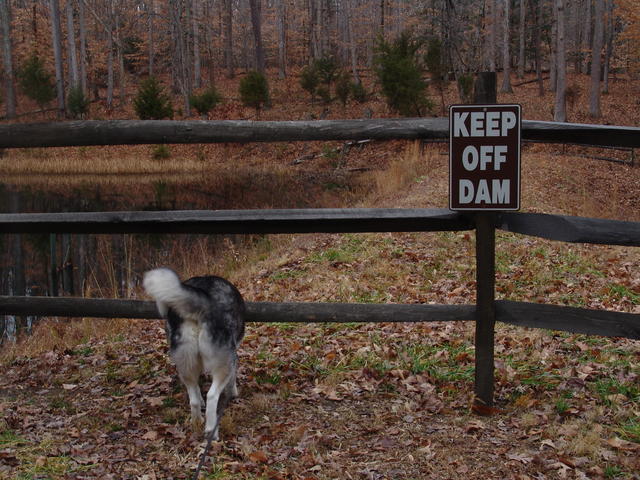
197,423
213,434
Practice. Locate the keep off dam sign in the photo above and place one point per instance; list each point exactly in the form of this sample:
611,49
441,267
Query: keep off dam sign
484,157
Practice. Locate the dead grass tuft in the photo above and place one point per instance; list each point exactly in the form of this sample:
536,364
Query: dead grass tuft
54,334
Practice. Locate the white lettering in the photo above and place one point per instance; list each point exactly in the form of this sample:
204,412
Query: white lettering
477,124
500,190
466,191
470,163
493,124
500,156
483,192
485,156
459,128
509,120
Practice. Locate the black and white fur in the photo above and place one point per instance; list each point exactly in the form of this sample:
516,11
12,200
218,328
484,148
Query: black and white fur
205,324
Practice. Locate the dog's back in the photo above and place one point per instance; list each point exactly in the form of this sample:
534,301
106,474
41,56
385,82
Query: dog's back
205,324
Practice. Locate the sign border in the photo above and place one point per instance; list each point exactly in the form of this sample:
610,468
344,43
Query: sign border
519,190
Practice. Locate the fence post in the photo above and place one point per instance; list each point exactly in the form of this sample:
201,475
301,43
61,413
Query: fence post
485,93
485,307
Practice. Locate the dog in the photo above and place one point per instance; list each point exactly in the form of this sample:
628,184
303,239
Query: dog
204,324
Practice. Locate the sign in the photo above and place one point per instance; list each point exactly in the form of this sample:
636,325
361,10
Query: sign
484,157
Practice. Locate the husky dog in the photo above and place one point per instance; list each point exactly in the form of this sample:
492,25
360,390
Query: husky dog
204,324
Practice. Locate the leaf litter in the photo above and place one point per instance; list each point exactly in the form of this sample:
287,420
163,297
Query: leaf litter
368,401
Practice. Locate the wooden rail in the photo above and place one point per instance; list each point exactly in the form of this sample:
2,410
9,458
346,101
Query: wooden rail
523,314
322,220
137,132
331,220
485,312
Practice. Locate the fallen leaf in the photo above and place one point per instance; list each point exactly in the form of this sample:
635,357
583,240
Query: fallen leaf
258,457
151,435
620,444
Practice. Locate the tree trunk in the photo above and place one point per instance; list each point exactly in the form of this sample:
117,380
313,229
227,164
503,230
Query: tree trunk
493,36
17,253
609,46
506,52
67,264
536,10
56,36
256,25
281,19
523,34
72,57
83,47
151,12
553,64
7,59
586,35
120,53
594,98
560,110
195,19
228,36
110,57
351,40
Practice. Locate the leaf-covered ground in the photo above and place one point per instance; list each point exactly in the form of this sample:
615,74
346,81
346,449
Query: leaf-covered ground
388,401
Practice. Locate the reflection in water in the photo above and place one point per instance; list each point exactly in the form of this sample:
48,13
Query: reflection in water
110,265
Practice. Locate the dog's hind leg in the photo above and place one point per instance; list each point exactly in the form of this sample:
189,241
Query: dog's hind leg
221,368
189,366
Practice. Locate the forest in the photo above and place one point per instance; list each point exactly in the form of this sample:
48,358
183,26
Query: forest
101,50
99,398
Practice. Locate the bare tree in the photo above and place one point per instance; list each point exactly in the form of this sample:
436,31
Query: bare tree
609,46
281,19
56,34
506,52
227,21
72,56
195,19
523,35
596,62
536,8
256,25
83,46
151,13
586,34
553,61
7,58
110,47
560,110
493,36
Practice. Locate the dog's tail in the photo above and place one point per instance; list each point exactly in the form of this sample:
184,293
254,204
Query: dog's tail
164,285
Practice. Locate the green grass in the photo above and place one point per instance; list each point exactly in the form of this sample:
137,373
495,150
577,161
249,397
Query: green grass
630,430
605,387
10,439
620,291
613,471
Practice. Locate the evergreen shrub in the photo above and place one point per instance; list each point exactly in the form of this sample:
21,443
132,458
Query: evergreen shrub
399,71
254,90
151,103
206,101
35,82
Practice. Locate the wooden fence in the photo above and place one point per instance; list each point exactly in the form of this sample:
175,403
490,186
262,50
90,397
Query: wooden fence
486,310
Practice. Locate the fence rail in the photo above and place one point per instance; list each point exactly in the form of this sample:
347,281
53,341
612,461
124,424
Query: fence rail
484,312
137,132
523,314
563,228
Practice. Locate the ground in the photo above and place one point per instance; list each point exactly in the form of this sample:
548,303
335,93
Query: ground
385,401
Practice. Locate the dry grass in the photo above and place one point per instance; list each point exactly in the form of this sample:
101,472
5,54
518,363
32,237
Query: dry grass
63,334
